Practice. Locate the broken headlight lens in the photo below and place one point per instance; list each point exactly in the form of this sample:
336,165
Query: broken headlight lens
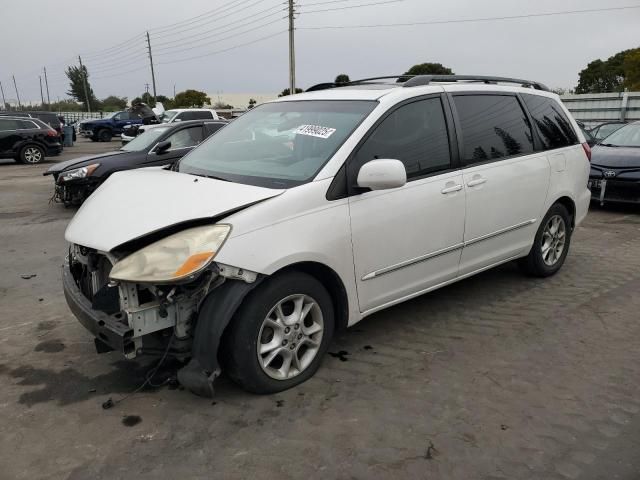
177,257
82,172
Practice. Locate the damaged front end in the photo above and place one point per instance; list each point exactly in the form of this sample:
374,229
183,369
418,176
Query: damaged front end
140,318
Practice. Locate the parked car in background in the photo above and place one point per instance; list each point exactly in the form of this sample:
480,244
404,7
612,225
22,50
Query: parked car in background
52,119
76,179
103,129
603,130
27,140
615,167
129,132
183,114
264,245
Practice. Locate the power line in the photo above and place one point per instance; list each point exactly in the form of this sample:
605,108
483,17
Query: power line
235,24
228,13
199,18
306,12
470,20
223,50
236,34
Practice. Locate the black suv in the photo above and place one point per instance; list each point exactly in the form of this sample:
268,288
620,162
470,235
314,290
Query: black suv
27,140
50,118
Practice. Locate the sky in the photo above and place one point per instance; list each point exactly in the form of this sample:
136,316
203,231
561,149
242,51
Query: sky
239,46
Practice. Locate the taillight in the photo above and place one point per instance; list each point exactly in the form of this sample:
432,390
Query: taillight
52,133
587,150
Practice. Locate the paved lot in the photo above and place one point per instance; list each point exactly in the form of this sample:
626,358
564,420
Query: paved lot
497,377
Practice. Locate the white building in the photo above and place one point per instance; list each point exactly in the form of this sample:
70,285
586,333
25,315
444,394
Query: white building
240,100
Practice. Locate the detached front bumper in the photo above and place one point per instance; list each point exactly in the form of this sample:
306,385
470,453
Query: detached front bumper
112,330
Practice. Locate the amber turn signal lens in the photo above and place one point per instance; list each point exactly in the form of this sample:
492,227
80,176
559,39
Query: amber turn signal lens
193,263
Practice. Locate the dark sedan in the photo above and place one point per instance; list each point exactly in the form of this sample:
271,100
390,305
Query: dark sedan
159,145
615,167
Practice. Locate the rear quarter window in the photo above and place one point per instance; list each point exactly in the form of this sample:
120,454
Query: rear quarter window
493,127
553,126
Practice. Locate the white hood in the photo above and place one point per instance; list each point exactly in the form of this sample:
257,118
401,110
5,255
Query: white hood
138,202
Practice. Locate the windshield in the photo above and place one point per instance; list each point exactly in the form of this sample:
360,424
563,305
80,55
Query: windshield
167,116
278,145
145,139
608,129
627,136
111,115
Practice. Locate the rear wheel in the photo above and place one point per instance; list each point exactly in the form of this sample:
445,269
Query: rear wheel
551,244
280,334
31,154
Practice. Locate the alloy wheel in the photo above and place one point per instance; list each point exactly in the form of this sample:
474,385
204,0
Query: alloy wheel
32,155
290,337
553,240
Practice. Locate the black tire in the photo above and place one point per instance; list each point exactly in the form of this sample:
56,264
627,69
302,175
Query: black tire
534,264
104,135
240,342
31,154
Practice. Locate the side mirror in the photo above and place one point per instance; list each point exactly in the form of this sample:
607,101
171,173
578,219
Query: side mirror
163,146
382,174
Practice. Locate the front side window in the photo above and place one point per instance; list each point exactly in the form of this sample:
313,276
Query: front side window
415,134
552,124
280,144
493,127
168,116
187,137
145,140
627,136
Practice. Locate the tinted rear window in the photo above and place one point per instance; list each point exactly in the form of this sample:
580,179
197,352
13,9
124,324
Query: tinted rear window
48,118
493,127
552,124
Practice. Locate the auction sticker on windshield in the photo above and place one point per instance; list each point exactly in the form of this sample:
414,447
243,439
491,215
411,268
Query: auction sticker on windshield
315,131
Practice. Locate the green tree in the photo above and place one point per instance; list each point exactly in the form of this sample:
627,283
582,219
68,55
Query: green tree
342,78
191,98
426,69
285,92
66,105
604,76
77,76
222,106
631,66
252,103
114,104
166,102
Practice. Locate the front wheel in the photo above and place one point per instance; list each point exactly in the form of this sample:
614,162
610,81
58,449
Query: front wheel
551,244
104,135
280,334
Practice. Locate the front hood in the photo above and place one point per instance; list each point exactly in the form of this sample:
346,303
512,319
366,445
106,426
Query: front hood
135,203
615,157
80,162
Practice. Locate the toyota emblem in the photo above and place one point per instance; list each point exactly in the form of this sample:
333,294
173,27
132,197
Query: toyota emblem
609,173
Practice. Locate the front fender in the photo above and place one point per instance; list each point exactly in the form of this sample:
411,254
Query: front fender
214,315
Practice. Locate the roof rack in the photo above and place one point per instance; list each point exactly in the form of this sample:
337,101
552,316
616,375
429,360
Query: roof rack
420,80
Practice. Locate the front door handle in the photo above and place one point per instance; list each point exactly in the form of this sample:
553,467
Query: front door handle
454,188
476,181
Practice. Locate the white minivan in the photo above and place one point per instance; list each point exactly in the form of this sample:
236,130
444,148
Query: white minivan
309,213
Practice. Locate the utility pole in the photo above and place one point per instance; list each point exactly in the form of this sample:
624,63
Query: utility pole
292,54
153,75
84,78
41,94
4,102
146,87
46,82
174,90
15,85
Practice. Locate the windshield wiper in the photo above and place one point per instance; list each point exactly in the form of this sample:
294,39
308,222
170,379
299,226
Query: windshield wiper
210,176
609,145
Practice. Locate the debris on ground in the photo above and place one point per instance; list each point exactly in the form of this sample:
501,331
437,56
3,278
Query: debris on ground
342,355
28,276
131,420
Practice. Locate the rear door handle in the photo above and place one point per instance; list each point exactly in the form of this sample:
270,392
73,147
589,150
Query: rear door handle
454,188
476,181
